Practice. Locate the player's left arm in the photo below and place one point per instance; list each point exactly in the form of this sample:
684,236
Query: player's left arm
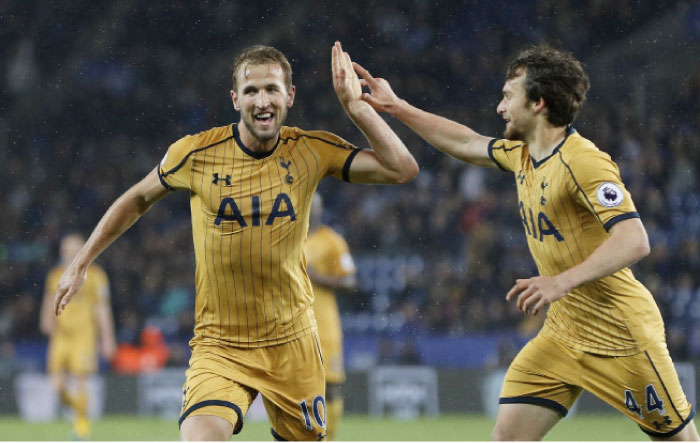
105,321
628,243
389,161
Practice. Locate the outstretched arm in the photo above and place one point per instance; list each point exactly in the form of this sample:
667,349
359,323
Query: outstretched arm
122,214
446,135
627,244
389,161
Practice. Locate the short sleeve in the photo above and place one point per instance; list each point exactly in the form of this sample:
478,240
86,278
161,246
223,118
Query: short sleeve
599,188
506,154
175,168
335,154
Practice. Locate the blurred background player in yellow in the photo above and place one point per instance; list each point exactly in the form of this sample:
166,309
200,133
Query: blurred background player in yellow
330,268
73,337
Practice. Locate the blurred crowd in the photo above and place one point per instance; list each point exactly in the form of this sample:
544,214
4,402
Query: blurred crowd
92,94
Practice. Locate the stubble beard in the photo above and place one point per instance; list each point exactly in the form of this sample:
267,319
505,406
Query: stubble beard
264,137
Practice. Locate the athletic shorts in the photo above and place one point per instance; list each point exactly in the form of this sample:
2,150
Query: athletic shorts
77,357
223,381
644,387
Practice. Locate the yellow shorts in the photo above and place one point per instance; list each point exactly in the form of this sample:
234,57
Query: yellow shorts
644,387
77,357
223,381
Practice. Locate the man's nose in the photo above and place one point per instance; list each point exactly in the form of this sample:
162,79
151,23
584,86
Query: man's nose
262,100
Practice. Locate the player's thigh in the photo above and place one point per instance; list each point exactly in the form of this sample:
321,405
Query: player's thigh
544,373
688,433
206,428
645,387
523,422
59,353
294,396
208,394
82,358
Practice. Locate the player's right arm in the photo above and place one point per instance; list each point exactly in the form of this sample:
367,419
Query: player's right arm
446,135
47,321
123,213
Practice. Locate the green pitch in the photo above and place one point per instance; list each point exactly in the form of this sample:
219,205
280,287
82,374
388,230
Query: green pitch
362,428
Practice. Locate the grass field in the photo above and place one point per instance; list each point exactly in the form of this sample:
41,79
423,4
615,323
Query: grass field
360,428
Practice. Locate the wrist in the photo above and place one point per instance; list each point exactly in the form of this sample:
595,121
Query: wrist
397,108
357,108
566,282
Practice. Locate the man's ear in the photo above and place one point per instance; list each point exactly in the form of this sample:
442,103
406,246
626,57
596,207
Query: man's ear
539,105
290,96
234,99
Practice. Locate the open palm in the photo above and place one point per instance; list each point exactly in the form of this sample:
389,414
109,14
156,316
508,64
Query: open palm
345,81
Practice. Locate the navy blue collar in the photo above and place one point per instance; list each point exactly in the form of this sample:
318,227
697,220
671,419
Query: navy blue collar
250,152
569,130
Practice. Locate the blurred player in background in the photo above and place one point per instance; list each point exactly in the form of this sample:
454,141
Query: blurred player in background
603,331
330,268
73,337
251,184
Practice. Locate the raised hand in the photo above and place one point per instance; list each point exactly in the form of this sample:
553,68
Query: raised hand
381,97
345,81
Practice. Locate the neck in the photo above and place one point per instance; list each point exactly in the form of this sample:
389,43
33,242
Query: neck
544,139
254,143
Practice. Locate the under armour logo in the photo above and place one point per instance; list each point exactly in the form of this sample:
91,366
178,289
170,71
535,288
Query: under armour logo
288,178
521,177
227,179
321,436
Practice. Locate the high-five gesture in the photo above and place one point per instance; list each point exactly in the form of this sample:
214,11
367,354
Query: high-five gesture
381,97
345,81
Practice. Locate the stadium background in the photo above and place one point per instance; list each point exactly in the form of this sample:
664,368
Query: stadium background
92,93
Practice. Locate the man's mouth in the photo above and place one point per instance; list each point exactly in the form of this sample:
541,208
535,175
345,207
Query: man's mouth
264,117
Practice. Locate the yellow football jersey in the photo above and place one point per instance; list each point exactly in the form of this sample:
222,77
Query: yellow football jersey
328,253
79,321
250,216
568,202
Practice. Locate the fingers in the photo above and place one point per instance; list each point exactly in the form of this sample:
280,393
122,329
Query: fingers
527,297
362,71
371,101
61,300
519,286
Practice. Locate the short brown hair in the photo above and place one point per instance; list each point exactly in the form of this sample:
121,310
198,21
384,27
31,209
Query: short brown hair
554,75
262,55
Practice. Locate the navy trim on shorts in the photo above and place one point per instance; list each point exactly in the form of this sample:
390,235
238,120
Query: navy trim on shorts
204,403
675,431
547,403
348,162
277,436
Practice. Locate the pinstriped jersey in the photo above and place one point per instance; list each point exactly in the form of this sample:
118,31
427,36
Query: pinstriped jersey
568,202
249,222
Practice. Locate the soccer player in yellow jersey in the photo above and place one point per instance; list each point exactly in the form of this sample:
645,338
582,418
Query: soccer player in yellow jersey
250,185
330,268
603,331
73,338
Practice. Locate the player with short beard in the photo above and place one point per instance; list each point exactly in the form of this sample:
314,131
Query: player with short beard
250,185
